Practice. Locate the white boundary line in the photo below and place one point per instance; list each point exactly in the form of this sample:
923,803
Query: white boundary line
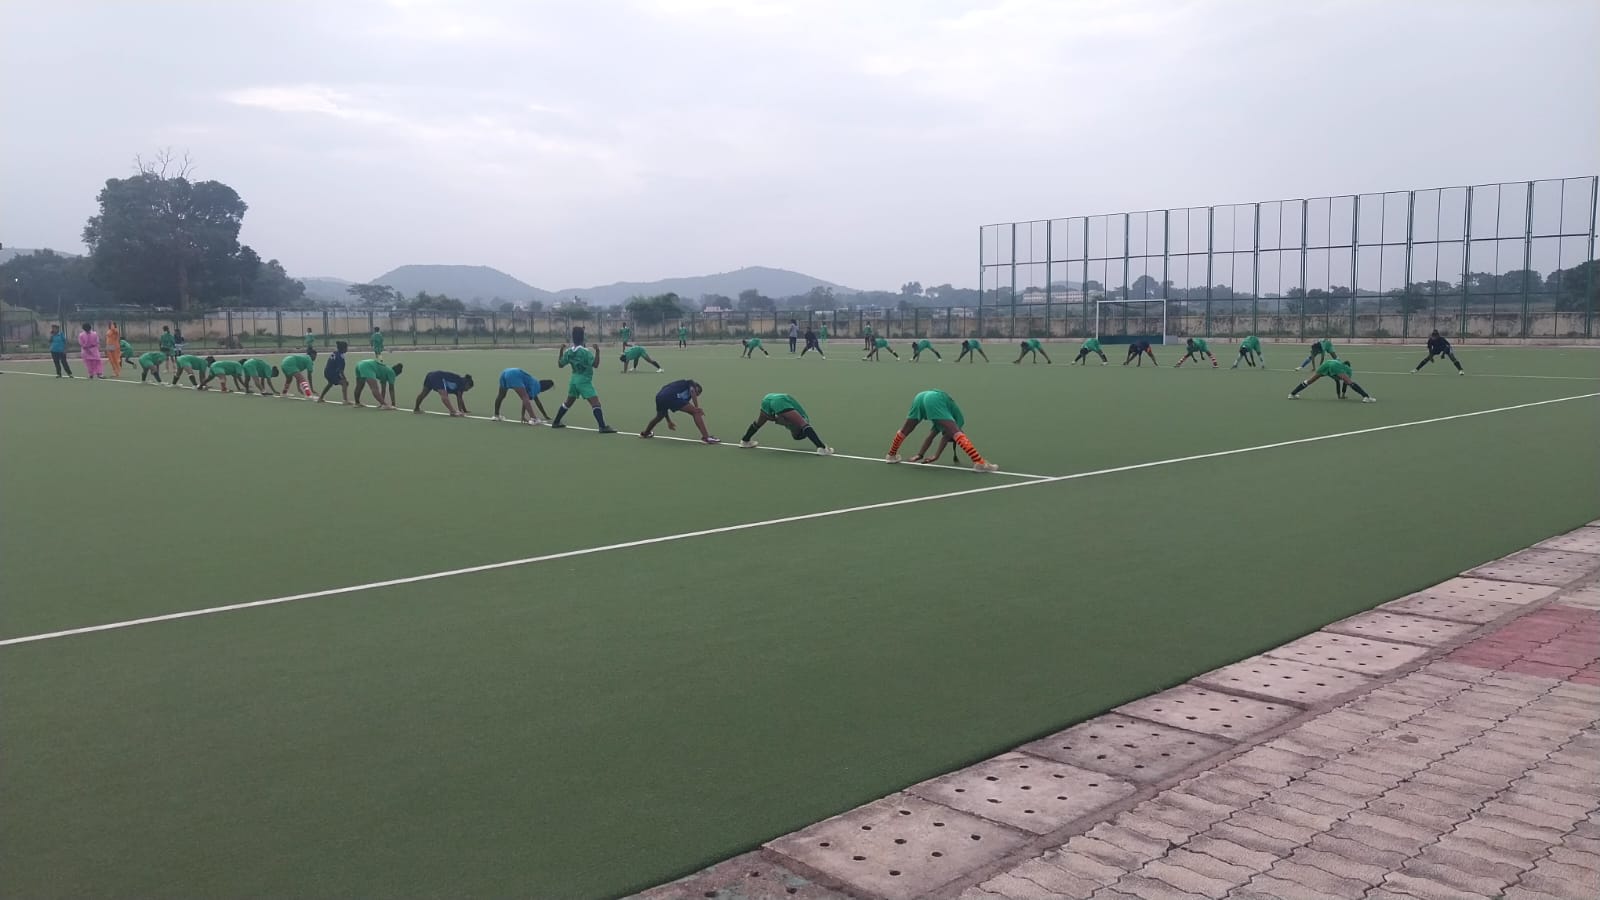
764,523
956,467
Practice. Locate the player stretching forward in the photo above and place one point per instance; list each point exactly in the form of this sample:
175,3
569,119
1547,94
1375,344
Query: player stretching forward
581,361
973,349
333,373
1139,350
194,366
879,344
296,368
1317,351
679,396
1249,349
1438,346
150,365
787,410
444,384
526,387
1092,345
261,373
633,355
1196,349
1032,345
221,371
751,345
1340,372
812,344
375,375
941,410
924,346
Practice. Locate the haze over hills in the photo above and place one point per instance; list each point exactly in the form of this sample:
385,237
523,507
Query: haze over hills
483,284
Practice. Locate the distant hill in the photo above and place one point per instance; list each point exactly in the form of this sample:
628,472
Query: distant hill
770,282
468,283
327,290
11,253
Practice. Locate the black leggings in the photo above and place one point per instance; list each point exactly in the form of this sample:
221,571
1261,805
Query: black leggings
62,366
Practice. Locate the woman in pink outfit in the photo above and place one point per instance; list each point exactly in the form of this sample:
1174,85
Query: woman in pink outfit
89,343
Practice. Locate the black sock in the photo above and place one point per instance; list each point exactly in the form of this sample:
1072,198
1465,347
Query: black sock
599,417
812,434
1298,388
1357,388
1457,362
751,431
561,412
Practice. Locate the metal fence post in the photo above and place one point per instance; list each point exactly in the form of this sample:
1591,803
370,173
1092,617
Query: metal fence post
1405,296
1211,243
1305,299
1355,256
1527,259
1466,263
1255,271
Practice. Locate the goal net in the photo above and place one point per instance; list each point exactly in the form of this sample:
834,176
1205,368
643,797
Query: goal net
1125,321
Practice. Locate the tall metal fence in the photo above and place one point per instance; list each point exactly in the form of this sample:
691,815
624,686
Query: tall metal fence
1511,260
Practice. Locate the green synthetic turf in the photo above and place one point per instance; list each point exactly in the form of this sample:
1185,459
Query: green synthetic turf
596,724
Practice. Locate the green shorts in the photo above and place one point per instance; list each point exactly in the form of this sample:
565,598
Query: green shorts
933,406
774,405
581,387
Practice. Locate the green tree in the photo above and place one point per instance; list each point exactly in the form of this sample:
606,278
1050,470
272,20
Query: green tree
375,296
1580,287
820,297
651,310
274,288
50,282
159,236
575,309
750,300
911,289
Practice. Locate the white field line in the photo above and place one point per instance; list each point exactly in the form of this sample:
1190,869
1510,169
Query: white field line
583,410
764,523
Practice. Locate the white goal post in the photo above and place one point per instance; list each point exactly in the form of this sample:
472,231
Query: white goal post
1129,319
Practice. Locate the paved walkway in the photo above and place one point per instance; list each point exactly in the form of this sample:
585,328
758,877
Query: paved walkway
1444,745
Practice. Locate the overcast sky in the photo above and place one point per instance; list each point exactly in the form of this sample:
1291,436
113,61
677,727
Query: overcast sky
861,141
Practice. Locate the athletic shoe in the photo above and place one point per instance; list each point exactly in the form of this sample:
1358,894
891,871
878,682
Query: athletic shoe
748,444
891,458
986,467
558,424
1105,364
1294,396
1369,399
1461,371
502,418
606,429
824,451
711,440
647,434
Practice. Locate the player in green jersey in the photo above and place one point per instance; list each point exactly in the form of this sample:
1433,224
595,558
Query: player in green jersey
971,349
787,410
922,346
168,345
822,332
581,361
380,378
1197,349
940,409
196,368
1092,345
866,336
260,373
1341,372
626,334
1317,351
877,345
683,336
1249,349
751,345
1032,347
222,370
377,342
632,355
150,365
296,369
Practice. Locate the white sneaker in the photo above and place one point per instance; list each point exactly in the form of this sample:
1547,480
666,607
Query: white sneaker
1461,371
824,451
1294,396
748,444
1105,364
891,458
986,467
1369,399
499,418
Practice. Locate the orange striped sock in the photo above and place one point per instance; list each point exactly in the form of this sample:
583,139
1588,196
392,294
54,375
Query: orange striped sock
971,451
899,438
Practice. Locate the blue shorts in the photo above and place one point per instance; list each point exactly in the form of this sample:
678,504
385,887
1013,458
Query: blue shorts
435,381
666,403
511,379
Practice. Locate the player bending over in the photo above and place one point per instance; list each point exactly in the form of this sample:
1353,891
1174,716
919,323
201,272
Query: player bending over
193,366
679,396
1139,350
1316,353
1092,345
333,373
581,361
812,344
971,349
1340,372
374,375
445,384
221,371
940,409
528,389
150,365
922,346
787,410
260,373
877,345
751,345
1437,346
1249,349
1196,349
296,368
1032,346
633,355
